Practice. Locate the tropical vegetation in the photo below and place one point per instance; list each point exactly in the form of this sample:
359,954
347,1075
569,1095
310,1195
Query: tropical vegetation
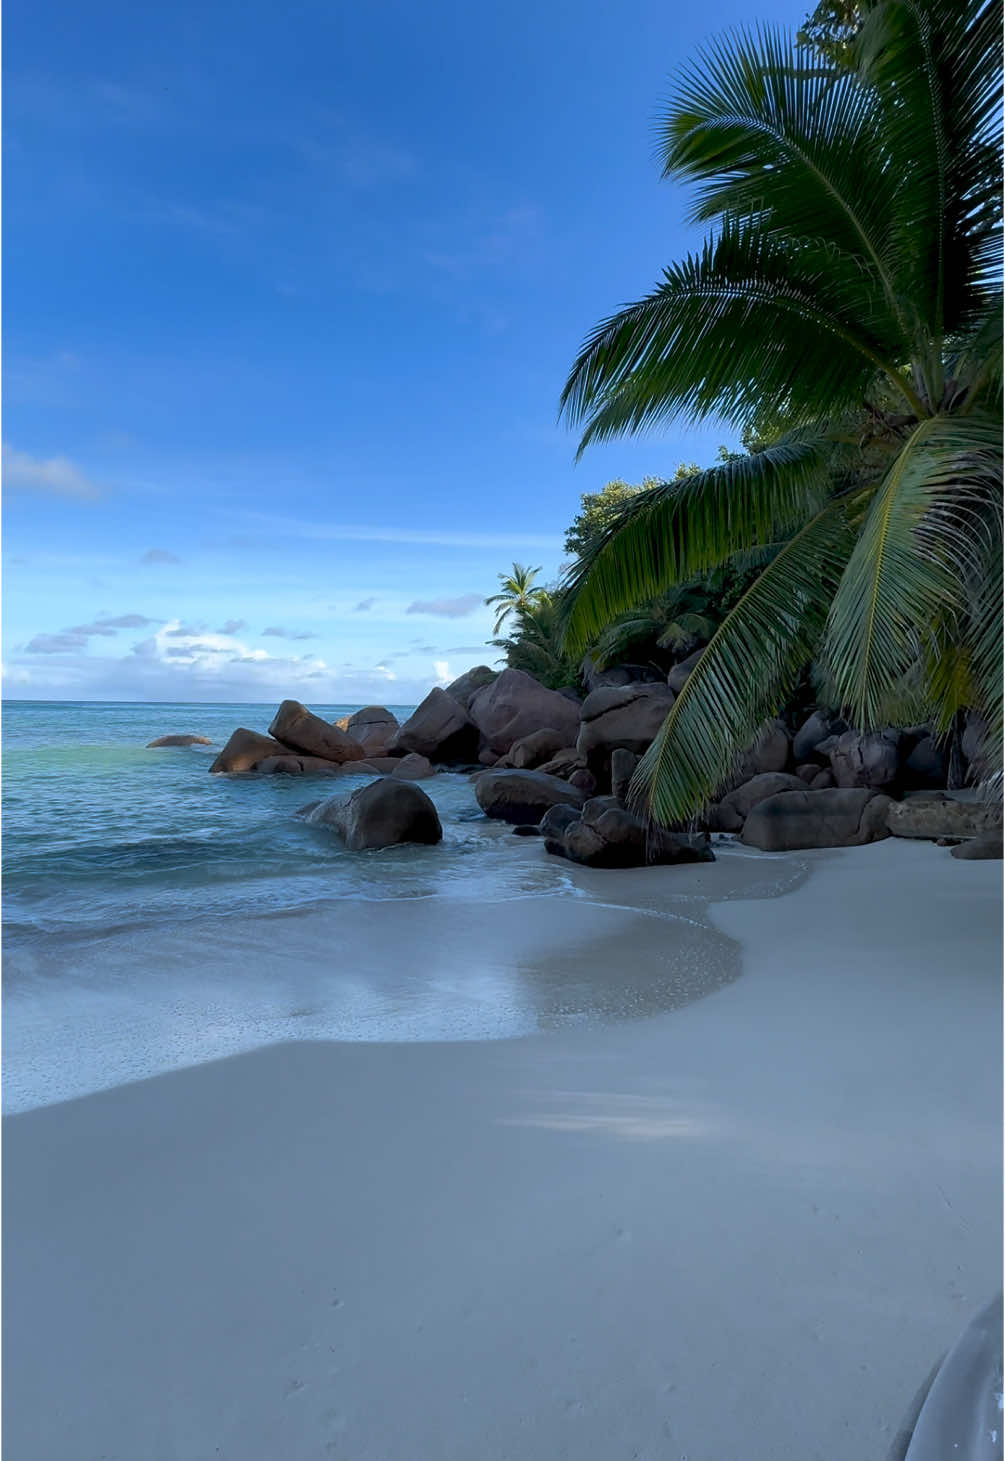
845,315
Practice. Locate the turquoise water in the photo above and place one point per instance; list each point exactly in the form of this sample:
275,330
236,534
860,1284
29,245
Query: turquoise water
101,833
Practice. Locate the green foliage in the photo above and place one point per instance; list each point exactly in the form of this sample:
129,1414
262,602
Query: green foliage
845,316
831,29
517,594
534,644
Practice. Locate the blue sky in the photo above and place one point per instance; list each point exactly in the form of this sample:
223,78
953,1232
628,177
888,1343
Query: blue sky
291,292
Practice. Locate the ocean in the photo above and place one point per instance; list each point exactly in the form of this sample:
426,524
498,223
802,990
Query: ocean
155,916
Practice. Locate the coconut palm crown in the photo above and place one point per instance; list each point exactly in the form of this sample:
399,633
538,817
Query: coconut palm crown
517,593
850,294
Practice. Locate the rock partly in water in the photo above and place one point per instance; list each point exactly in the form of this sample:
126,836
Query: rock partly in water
466,686
413,767
296,726
837,817
294,765
178,741
933,815
607,835
523,796
374,727
383,814
516,705
557,818
871,759
245,749
628,718
440,729
533,750
979,849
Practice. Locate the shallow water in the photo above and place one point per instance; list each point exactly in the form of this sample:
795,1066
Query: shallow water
157,916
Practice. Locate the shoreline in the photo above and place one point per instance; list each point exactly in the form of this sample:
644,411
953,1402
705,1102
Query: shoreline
744,1228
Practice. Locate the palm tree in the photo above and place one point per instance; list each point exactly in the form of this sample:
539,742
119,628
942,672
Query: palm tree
850,293
534,644
517,593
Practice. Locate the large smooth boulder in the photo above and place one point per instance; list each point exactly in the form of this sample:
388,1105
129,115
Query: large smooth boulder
523,797
745,798
294,725
245,749
439,729
980,849
557,818
517,705
926,765
179,741
618,675
679,675
934,815
535,749
466,686
374,727
628,717
382,814
623,767
866,759
607,835
413,768
838,817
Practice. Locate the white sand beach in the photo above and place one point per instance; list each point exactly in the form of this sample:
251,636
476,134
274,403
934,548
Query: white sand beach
744,1228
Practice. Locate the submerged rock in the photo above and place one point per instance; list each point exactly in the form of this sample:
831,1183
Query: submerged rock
179,741
523,796
245,749
607,835
383,814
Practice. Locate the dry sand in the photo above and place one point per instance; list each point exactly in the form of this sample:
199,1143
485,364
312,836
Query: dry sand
745,1228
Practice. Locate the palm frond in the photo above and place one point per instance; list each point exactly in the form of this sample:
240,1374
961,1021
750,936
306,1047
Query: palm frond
745,671
671,533
921,542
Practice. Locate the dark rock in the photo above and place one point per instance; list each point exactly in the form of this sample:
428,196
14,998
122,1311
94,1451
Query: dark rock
413,767
721,817
538,747
523,829
623,764
245,749
294,725
571,693
822,781
768,752
926,765
838,817
808,771
607,835
564,764
743,800
179,741
516,705
870,759
809,735
440,729
466,686
628,718
557,818
523,796
382,814
972,741
979,849
932,815
678,676
374,727
584,780
291,765
618,675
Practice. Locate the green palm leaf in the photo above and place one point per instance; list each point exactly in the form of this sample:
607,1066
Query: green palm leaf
745,671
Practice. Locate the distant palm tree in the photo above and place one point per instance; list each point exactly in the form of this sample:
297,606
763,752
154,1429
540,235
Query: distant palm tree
518,593
851,292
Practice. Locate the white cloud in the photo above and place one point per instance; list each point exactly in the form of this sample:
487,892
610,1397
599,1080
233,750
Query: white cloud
457,608
276,631
57,475
76,638
232,626
442,669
